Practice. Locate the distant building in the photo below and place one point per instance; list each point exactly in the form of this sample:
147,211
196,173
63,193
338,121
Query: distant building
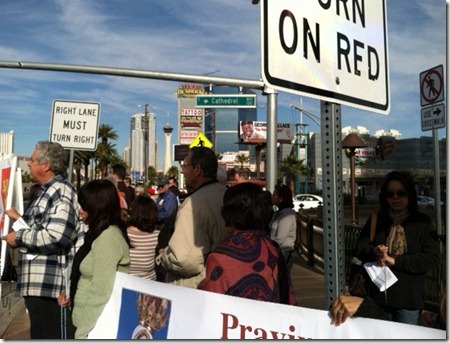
137,143
415,155
7,143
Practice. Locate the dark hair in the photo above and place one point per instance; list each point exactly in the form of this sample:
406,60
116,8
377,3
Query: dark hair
206,159
120,171
175,181
408,183
99,198
143,214
246,207
285,193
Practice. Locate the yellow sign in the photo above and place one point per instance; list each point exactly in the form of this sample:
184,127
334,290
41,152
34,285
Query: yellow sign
200,140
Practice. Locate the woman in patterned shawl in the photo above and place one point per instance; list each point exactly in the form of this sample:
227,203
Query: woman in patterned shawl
248,264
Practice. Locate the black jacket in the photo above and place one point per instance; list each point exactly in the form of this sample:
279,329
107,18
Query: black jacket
410,268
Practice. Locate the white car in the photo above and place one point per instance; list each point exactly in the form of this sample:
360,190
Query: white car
423,200
307,201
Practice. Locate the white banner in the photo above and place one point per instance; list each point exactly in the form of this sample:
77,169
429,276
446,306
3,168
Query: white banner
140,308
10,196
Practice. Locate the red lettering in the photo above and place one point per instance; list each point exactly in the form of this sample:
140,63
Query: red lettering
225,324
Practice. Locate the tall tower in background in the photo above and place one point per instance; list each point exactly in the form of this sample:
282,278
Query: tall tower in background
167,160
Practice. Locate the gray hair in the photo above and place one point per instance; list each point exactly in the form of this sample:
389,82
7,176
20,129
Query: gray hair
55,154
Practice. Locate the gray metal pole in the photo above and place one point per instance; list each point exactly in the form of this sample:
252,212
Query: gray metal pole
136,73
271,156
333,207
72,154
437,183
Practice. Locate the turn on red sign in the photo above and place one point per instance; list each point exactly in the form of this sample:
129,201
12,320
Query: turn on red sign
332,50
75,124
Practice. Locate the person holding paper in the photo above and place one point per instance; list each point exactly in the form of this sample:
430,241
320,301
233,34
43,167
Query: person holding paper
47,236
406,242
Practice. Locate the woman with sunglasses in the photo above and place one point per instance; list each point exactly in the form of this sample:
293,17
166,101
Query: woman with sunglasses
406,242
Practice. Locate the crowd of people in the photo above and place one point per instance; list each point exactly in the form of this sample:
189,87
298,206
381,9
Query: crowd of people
231,240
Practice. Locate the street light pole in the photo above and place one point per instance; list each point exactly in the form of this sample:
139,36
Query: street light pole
352,142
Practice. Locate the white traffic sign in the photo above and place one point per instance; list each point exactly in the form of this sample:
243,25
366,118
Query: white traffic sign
433,117
432,86
332,50
75,124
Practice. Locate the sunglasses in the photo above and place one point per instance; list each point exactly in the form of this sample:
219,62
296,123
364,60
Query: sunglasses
400,194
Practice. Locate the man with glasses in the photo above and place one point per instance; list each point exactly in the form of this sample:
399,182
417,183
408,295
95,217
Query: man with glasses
48,240
199,227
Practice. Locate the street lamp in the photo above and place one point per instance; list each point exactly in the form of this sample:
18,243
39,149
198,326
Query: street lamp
352,142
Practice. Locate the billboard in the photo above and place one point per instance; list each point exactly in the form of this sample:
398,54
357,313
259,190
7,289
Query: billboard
256,132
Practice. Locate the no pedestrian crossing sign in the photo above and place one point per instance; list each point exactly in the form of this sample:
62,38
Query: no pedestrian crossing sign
432,86
75,124
332,50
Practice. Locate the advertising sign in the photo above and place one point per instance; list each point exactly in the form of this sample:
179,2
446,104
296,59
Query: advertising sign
256,132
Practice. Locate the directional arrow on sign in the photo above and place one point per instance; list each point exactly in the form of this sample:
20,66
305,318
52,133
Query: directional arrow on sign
437,112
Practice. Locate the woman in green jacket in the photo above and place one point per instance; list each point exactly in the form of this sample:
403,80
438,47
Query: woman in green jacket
104,252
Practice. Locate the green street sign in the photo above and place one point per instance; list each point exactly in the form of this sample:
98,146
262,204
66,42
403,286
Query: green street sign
226,101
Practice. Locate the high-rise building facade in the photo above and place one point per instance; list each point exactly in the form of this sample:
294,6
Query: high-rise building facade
7,143
142,142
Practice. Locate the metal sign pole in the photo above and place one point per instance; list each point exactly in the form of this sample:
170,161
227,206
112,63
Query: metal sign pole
437,183
72,152
333,206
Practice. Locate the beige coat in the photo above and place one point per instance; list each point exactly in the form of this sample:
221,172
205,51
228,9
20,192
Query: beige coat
199,228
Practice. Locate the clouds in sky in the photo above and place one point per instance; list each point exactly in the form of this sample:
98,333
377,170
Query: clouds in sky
182,36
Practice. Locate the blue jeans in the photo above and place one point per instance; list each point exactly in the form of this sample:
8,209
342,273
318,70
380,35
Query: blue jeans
401,315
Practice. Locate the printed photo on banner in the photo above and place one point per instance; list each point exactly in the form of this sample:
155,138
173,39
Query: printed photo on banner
143,316
5,175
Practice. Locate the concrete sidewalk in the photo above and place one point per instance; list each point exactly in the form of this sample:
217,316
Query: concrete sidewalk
309,288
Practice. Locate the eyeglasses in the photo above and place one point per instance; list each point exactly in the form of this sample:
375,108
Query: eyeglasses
399,193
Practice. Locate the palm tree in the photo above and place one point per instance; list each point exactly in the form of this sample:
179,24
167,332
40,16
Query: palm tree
242,158
291,166
106,151
82,158
106,132
173,172
152,176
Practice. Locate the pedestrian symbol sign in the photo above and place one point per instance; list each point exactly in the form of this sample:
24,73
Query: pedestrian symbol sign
432,86
200,140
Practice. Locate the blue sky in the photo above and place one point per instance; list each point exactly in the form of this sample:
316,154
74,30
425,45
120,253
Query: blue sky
181,36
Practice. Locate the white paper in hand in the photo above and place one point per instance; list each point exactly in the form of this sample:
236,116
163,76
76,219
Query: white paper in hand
66,275
20,224
382,277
